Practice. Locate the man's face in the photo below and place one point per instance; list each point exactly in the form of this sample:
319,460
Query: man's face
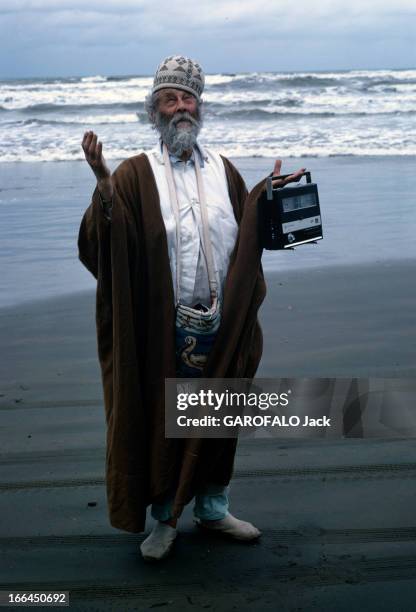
172,101
178,119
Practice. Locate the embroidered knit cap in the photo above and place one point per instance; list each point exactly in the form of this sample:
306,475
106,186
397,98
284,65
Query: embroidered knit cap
180,72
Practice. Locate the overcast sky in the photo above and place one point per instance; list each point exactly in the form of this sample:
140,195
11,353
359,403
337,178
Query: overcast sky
121,37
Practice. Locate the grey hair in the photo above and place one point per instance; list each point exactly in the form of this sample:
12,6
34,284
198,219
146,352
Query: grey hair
151,104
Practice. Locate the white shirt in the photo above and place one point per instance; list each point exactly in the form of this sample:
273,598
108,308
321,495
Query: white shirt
223,228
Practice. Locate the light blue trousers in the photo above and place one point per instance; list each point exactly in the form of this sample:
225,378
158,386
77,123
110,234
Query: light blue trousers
211,504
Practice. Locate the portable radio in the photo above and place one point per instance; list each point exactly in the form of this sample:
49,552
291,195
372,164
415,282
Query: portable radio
289,216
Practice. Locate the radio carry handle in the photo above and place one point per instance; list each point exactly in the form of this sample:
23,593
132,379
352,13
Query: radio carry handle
269,183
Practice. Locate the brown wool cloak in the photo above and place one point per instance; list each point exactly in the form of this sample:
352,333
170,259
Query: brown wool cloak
135,319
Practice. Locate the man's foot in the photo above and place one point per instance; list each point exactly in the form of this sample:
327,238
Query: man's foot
159,542
233,527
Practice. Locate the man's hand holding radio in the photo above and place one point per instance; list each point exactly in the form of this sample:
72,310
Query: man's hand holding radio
292,178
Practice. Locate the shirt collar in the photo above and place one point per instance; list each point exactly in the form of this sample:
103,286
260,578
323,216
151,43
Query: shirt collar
202,157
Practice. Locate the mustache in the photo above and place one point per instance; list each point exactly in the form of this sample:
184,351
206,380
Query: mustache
166,122
185,116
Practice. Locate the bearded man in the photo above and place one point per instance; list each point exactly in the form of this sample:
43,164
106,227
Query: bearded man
171,233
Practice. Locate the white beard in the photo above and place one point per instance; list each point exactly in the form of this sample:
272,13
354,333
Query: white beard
178,140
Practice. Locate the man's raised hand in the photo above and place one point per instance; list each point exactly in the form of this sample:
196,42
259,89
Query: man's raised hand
93,152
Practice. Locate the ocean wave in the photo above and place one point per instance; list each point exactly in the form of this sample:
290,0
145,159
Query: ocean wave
87,120
265,114
271,81
326,92
138,106
116,78
280,149
386,85
71,108
93,79
254,109
348,79
252,104
212,113
259,115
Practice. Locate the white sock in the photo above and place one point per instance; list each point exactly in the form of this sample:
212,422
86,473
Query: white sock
159,542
